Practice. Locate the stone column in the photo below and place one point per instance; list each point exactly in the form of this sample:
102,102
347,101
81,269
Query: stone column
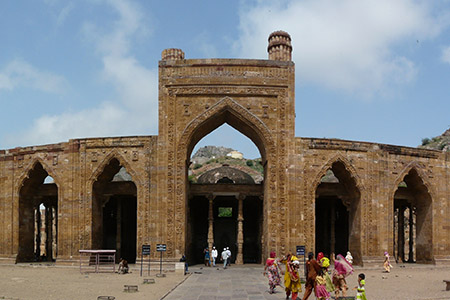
401,233
119,228
411,235
48,232
37,231
210,223
240,230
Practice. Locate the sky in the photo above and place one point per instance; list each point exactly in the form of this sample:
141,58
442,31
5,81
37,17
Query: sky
376,71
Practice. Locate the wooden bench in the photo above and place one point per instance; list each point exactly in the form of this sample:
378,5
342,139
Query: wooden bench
149,280
447,288
130,288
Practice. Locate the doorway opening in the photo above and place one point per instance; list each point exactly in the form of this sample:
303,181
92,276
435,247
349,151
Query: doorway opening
225,196
337,213
114,213
38,217
412,221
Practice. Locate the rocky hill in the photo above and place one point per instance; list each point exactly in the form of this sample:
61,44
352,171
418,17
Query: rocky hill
209,152
211,157
441,142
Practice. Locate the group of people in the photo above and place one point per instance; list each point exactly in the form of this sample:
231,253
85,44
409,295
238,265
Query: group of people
211,258
318,277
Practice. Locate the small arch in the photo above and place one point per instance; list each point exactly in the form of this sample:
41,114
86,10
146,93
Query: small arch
114,208
37,215
338,210
25,175
412,216
339,158
114,154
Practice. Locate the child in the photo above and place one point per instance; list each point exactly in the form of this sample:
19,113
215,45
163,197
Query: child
321,290
361,291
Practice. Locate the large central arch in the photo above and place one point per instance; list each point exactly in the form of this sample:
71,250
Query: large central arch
231,112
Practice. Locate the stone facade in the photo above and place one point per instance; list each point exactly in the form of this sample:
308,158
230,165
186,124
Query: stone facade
196,96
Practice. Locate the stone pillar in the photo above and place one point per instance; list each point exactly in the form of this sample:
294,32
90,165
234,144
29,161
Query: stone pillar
240,230
411,235
48,233
119,228
401,233
210,222
37,231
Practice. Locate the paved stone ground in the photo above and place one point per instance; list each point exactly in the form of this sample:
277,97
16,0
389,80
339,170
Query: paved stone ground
421,282
238,283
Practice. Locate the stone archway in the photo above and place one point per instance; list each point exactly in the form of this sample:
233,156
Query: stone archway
338,212
412,230
38,216
225,111
114,210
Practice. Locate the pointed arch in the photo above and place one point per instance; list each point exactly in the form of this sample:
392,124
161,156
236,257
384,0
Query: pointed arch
114,154
114,205
414,165
348,167
31,166
337,213
416,199
31,220
228,111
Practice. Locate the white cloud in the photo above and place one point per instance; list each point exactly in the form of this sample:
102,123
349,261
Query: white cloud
64,13
445,55
343,45
20,74
133,111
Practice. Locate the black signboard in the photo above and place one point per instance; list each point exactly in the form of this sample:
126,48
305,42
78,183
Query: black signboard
161,247
145,249
301,250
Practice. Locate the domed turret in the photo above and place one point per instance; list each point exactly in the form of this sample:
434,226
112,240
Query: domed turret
280,47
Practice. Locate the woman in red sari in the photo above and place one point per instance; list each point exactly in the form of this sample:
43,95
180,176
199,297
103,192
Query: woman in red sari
273,273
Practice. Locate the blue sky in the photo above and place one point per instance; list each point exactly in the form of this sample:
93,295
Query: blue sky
376,71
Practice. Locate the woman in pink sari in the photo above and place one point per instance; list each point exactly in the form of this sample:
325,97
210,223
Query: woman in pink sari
342,268
273,273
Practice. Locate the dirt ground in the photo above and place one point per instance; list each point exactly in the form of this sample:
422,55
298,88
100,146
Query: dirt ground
412,282
41,281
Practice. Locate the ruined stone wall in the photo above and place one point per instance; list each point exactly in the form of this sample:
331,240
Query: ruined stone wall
75,166
377,170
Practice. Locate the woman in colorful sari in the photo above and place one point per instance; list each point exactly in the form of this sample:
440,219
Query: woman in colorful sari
292,282
387,262
272,270
325,263
342,268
